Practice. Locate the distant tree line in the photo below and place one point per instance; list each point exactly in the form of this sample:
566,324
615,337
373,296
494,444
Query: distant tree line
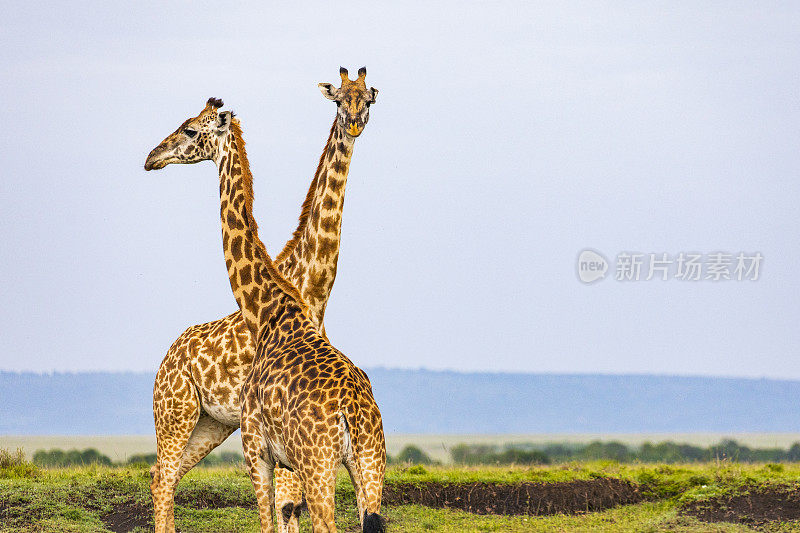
410,455
661,452
483,454
56,457
90,456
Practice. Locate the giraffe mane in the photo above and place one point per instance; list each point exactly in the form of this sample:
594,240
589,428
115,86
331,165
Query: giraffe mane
247,182
305,210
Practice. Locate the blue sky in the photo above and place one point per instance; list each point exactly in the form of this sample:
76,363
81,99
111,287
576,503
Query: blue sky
507,137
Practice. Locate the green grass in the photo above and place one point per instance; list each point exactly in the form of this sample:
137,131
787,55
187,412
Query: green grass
75,499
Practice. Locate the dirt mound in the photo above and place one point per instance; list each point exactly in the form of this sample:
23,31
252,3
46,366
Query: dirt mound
128,516
481,498
520,498
758,506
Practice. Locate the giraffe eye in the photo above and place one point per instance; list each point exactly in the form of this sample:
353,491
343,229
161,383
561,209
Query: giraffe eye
190,133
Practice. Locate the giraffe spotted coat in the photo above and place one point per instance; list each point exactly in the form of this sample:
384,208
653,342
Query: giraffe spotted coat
196,392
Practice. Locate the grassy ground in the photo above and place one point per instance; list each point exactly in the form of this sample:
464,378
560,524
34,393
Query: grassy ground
77,499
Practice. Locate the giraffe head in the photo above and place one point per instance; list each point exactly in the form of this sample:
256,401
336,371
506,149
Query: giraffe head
353,100
197,139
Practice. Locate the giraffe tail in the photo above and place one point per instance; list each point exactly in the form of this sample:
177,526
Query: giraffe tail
374,523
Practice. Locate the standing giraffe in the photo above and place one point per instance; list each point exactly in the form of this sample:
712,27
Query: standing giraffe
305,405
196,392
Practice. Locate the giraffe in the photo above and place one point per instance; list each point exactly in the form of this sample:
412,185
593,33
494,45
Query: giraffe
305,405
196,391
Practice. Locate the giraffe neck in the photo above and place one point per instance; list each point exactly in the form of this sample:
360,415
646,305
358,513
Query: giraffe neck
263,294
310,257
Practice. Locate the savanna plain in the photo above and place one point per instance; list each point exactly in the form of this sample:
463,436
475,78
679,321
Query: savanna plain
722,495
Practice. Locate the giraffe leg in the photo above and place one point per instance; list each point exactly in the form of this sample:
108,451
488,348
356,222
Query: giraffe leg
369,461
207,435
354,470
210,433
261,471
320,486
175,420
288,500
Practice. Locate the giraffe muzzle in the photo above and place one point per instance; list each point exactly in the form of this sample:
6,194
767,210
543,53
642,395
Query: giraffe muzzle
152,162
353,130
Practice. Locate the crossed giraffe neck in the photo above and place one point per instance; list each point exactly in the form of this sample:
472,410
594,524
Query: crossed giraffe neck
314,247
261,291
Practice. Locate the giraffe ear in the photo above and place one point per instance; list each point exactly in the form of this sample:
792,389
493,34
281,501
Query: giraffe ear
374,92
224,121
328,91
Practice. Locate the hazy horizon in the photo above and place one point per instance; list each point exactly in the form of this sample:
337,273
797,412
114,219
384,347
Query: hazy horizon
444,402
506,138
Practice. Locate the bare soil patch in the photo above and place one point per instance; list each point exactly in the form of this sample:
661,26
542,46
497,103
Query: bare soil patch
759,506
572,497
127,517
